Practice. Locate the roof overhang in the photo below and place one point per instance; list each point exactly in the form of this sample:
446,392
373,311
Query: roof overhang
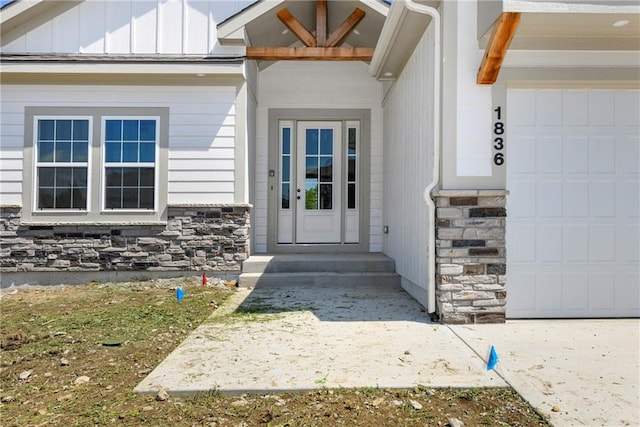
400,34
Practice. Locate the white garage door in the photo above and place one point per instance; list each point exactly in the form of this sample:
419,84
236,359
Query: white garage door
573,210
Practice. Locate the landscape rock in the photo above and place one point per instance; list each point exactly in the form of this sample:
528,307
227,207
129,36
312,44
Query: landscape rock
64,362
83,379
162,395
555,408
24,375
454,422
415,405
7,399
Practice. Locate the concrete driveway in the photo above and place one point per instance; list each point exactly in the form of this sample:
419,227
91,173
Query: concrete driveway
588,369
293,338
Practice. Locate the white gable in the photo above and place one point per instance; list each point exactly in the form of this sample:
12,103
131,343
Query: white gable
138,27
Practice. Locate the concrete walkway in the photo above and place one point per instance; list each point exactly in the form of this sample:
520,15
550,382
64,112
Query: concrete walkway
288,338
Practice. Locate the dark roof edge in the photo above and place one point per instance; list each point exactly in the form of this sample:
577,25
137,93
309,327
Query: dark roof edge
128,59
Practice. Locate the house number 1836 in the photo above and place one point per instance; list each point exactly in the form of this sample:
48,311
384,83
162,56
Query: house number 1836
498,137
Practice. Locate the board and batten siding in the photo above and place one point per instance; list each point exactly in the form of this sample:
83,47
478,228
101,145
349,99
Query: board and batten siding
408,163
321,86
129,27
201,133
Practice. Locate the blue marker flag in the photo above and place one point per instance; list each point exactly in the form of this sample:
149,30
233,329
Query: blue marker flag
493,359
179,294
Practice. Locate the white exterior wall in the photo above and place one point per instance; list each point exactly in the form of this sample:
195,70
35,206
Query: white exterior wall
201,133
131,27
408,163
318,85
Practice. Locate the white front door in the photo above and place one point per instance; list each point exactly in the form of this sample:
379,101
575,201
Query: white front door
319,182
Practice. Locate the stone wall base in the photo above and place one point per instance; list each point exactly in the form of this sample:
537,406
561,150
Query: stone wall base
194,238
470,256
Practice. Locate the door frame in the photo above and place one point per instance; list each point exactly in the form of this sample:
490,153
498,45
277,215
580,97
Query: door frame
364,176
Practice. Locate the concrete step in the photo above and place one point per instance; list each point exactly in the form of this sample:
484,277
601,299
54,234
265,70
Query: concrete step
316,263
342,270
320,279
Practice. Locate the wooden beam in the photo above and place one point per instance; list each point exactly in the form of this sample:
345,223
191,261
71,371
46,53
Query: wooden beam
337,37
503,31
310,53
297,28
321,22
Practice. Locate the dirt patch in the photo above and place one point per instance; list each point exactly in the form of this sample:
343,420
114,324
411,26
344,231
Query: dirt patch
72,356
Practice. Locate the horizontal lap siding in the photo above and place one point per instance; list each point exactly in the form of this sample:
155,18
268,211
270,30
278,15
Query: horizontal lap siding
130,27
201,133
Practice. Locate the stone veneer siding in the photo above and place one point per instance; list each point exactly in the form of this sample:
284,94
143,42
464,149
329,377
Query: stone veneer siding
470,256
194,238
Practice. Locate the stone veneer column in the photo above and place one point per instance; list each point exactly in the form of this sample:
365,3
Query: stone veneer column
470,255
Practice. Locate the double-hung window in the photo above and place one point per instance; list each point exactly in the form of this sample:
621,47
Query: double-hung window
62,163
130,151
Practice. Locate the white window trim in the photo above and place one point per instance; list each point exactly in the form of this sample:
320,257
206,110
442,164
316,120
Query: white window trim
103,165
37,164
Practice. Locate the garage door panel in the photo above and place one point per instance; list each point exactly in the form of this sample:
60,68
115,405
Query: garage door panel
602,199
549,199
549,243
575,108
549,155
573,210
602,108
575,200
575,155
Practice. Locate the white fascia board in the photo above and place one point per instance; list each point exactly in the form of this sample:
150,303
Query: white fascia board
387,38
16,8
229,28
576,58
122,68
376,5
537,6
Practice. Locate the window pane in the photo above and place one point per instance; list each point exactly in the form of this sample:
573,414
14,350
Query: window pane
63,198
114,177
146,198
63,130
45,151
351,169
113,131
114,198
312,167
147,130
352,141
326,196
63,152
130,152
326,169
80,152
285,196
286,168
351,196
81,130
80,177
46,177
45,198
63,177
326,141
112,152
312,141
45,130
130,177
147,177
130,198
79,198
311,195
130,130
286,141
148,152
